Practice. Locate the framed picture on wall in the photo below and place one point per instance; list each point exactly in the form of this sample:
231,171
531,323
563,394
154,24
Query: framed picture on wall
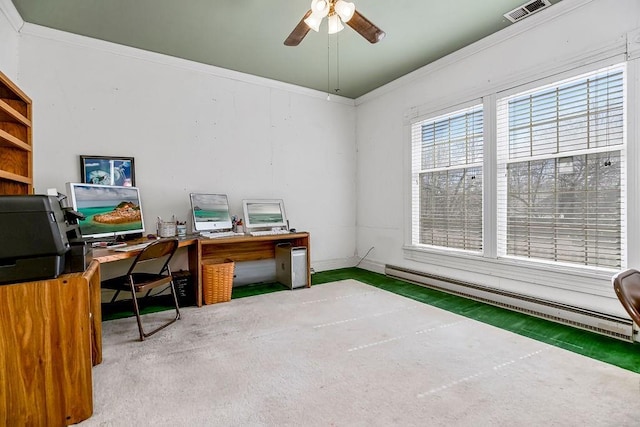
107,170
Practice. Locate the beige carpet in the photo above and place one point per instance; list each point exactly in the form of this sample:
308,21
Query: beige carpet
348,354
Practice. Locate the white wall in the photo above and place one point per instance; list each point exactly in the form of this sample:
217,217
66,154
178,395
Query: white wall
570,34
9,20
193,128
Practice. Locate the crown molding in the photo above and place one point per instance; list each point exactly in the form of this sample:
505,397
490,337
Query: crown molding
9,10
64,37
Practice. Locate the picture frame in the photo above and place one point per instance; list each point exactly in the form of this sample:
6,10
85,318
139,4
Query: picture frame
107,170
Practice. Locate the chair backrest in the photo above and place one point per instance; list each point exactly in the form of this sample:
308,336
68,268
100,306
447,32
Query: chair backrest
627,287
156,250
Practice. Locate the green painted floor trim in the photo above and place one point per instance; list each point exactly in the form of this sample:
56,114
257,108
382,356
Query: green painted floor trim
610,350
124,308
258,289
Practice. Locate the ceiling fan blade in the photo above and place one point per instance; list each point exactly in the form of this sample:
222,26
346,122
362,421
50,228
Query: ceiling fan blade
365,28
298,32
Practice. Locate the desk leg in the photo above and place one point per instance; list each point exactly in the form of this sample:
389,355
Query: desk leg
308,245
194,254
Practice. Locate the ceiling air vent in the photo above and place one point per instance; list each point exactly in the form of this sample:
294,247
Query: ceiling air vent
527,9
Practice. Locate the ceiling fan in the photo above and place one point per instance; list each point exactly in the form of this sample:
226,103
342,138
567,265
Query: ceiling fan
337,12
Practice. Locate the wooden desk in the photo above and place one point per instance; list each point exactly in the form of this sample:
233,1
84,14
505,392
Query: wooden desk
237,248
242,248
46,348
104,255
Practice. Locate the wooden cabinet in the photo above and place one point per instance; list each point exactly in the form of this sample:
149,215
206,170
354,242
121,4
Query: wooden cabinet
16,161
45,350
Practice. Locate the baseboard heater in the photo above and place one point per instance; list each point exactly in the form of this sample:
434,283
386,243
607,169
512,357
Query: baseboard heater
601,323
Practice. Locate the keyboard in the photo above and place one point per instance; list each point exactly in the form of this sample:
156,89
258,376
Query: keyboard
220,234
130,248
109,245
268,232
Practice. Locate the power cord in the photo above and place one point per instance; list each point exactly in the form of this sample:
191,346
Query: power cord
365,255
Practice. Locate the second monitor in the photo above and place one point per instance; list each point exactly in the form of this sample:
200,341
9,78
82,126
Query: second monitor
263,214
210,212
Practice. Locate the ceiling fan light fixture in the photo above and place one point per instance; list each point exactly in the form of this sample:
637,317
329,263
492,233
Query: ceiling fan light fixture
337,13
320,7
344,9
313,21
335,25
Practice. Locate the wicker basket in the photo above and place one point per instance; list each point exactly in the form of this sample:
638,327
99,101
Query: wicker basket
217,281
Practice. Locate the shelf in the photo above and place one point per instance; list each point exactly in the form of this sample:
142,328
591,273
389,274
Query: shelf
9,114
13,187
14,91
16,152
8,140
15,177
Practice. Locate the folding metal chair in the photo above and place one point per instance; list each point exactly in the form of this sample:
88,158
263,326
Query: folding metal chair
140,279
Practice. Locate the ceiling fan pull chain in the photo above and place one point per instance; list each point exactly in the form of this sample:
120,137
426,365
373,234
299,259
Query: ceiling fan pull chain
328,67
337,63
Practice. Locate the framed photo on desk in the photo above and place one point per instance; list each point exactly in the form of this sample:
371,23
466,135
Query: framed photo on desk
107,170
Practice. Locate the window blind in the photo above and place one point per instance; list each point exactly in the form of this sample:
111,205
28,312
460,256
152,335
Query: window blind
561,171
447,180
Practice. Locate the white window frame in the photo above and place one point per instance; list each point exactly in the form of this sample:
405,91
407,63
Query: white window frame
567,277
416,171
504,160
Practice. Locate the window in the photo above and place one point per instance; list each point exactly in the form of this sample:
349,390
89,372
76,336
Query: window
561,171
447,180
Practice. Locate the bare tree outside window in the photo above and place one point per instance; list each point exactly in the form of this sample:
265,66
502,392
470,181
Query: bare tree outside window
447,172
563,161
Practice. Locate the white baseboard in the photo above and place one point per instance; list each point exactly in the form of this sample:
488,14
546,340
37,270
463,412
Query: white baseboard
373,266
602,323
332,264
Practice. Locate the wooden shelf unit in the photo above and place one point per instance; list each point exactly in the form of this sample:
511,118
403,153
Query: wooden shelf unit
16,153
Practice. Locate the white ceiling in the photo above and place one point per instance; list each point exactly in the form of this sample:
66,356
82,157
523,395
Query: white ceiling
248,35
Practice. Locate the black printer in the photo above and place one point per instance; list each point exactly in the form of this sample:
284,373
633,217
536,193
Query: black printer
33,238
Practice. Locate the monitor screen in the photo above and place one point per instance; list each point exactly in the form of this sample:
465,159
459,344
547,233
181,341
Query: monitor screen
109,210
263,213
210,212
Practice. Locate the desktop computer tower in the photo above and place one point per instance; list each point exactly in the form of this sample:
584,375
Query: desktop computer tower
291,265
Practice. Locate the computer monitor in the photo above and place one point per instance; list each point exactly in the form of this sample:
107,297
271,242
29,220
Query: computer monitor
109,210
210,212
264,214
